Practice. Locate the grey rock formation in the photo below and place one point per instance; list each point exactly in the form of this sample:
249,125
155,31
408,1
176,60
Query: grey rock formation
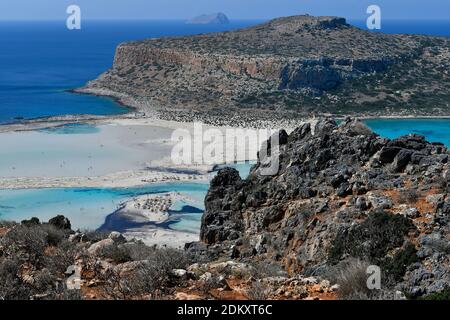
340,192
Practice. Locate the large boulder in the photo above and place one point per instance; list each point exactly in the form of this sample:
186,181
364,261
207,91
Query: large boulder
60,222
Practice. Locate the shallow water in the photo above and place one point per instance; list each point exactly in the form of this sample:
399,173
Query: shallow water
80,150
434,130
86,207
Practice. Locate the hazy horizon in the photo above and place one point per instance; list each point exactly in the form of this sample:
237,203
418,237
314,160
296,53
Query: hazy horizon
235,9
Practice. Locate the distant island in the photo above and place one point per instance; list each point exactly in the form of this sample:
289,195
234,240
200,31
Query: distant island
215,18
292,67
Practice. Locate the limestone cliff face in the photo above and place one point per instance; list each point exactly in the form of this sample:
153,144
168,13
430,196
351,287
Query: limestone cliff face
296,64
341,192
259,67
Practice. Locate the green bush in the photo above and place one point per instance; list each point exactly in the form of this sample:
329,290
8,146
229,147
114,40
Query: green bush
444,295
395,267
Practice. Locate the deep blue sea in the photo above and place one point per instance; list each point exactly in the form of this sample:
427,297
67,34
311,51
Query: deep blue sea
39,61
425,27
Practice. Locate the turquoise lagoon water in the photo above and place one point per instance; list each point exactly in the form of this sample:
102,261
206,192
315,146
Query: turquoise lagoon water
72,128
435,130
87,207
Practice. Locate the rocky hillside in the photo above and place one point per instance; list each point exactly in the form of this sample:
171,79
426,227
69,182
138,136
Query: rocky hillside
296,65
343,198
49,261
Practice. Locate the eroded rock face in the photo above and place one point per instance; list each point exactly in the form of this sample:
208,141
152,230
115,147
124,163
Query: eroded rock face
341,191
222,222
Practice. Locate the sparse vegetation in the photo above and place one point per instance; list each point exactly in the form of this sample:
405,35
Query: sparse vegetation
258,291
394,268
409,196
33,259
373,238
148,274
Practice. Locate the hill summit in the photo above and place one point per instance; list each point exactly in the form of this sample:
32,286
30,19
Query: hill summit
287,67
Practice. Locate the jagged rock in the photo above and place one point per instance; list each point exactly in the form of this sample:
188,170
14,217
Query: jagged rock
225,180
411,213
379,202
435,198
179,273
388,154
401,160
60,222
361,203
207,276
335,197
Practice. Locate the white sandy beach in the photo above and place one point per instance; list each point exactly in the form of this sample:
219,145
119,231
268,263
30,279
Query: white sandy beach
118,153
153,209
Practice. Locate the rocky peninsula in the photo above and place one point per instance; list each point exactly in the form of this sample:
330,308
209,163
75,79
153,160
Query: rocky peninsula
289,67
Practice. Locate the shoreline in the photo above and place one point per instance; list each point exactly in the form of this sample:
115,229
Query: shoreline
148,218
61,121
139,111
161,173
123,179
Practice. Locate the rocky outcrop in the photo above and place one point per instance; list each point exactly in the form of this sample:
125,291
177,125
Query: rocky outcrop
341,192
280,65
326,74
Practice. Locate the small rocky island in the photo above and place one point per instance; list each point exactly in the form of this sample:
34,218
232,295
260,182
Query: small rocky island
289,67
215,18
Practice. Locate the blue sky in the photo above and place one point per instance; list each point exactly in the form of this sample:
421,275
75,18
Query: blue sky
235,9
